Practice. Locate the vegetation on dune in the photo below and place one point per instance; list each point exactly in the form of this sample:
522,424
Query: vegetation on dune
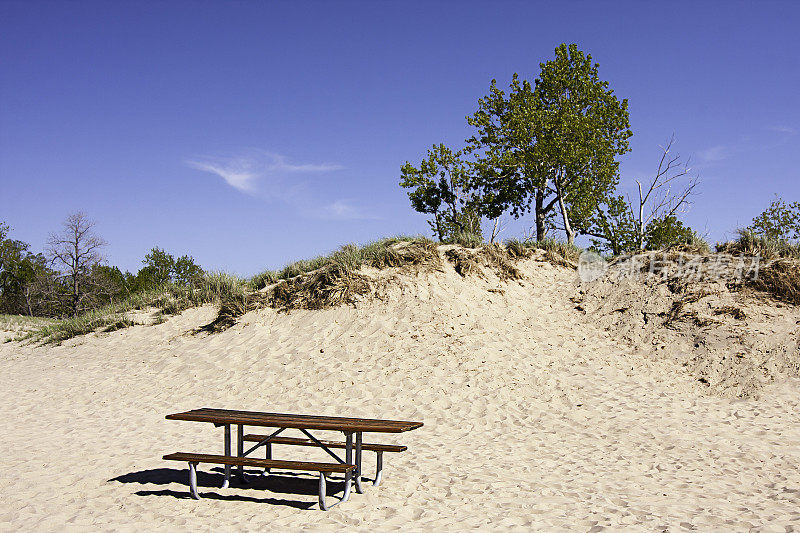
549,148
441,186
168,299
779,221
325,281
553,248
336,279
779,278
752,244
19,325
380,254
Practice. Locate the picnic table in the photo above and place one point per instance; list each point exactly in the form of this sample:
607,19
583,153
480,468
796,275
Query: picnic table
352,428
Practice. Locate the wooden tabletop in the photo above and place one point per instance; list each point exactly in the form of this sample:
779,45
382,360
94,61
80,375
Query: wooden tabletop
281,420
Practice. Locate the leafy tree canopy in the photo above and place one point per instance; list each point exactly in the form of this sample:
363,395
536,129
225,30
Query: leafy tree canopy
441,186
161,267
551,144
778,221
669,231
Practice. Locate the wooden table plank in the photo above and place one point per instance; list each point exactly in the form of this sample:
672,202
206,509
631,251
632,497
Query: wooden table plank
294,421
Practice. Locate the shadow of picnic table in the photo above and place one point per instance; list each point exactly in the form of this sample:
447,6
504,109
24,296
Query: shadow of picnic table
283,483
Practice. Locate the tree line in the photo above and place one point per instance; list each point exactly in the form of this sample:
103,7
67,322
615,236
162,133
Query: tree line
71,276
551,148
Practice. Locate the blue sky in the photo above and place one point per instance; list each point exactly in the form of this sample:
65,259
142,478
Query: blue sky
250,134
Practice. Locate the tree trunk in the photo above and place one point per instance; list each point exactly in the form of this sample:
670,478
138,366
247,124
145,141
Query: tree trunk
640,225
540,215
438,219
567,227
28,306
75,296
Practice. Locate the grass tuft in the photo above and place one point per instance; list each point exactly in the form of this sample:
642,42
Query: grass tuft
555,251
695,245
779,278
751,244
464,262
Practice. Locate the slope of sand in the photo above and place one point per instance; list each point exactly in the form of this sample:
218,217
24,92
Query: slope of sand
734,340
535,418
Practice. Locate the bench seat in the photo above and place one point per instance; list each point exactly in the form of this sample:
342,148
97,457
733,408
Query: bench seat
328,468
323,468
329,443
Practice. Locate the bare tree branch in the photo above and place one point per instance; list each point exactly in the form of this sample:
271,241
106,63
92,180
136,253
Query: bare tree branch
658,193
74,252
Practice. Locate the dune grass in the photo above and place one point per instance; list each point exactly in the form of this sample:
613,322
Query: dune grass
327,280
553,248
315,283
335,279
20,325
169,299
695,244
21,322
780,278
379,254
750,244
324,281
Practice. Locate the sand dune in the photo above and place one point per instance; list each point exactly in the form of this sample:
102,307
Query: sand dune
536,417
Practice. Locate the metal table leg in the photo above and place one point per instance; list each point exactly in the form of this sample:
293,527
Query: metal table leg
227,479
193,481
323,489
240,451
267,455
348,458
357,472
379,470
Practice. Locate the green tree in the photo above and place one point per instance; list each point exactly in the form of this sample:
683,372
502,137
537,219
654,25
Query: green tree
665,232
113,284
779,221
441,187
507,175
14,259
20,273
161,267
551,145
582,128
157,270
612,227
186,272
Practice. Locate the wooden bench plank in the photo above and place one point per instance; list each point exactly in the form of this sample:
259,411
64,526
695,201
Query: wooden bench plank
329,443
259,463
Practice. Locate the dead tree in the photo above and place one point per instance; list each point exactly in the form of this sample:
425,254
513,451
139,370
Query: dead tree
658,197
74,252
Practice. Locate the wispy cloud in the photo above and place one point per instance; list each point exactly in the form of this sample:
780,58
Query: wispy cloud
788,130
245,172
274,177
238,178
713,154
344,210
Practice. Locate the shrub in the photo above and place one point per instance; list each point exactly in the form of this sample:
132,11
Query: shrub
751,244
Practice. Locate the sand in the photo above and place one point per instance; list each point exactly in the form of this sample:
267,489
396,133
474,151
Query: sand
536,418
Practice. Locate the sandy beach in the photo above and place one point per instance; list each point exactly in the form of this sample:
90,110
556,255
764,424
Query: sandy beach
536,418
